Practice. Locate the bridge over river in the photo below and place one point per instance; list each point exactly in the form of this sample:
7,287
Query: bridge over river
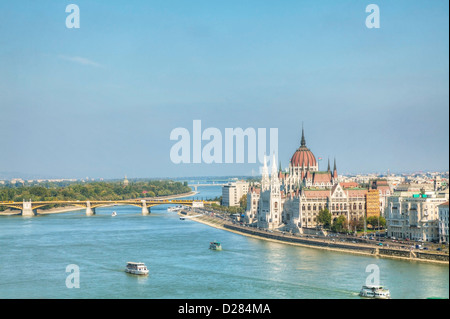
194,186
29,208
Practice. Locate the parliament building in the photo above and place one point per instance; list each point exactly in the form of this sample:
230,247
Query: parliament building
291,200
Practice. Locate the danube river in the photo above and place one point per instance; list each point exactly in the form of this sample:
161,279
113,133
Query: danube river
34,254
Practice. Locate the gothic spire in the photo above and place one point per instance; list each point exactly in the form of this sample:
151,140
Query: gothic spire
329,170
303,142
265,182
274,166
335,174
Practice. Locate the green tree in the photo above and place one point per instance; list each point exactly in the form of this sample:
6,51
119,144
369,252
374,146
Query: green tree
340,224
358,224
324,218
374,221
243,202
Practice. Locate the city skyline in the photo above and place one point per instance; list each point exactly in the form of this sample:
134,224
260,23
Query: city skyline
102,100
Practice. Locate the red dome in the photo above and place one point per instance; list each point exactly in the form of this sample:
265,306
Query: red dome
303,157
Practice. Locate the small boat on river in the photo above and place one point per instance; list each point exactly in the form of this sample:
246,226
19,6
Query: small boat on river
215,245
375,292
136,268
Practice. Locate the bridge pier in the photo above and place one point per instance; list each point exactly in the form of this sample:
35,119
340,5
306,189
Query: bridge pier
145,209
27,209
89,210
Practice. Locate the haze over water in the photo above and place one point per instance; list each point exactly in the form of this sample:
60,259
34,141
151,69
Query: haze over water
34,254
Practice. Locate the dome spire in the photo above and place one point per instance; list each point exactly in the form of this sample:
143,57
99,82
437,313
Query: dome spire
303,142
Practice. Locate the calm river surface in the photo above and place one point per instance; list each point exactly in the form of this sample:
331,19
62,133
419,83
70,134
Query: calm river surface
34,254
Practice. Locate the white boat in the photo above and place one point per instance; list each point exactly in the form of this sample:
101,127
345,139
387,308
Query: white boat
136,268
376,292
215,245
175,208
114,214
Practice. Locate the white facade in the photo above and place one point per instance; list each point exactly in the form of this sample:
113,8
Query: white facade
302,210
253,196
414,217
270,205
233,192
443,223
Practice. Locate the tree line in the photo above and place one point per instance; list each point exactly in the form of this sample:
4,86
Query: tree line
341,224
93,191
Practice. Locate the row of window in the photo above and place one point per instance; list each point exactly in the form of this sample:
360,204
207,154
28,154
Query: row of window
314,219
341,206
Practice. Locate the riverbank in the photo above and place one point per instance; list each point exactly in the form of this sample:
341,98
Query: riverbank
326,244
58,210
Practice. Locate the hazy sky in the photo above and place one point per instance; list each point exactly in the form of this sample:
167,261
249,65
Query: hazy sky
102,100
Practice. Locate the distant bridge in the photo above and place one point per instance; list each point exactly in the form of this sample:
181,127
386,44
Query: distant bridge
206,185
29,208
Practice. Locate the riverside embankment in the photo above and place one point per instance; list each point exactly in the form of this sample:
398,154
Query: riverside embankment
324,243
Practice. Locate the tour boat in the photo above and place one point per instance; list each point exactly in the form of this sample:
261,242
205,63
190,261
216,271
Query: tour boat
376,292
214,245
174,208
136,268
114,214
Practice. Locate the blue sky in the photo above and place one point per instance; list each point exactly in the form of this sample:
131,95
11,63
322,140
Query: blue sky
101,100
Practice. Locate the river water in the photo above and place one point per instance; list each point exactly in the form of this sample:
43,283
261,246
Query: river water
35,253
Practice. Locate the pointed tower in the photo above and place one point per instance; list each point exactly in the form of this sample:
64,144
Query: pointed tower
274,180
275,208
265,181
335,174
329,169
302,158
303,141
274,166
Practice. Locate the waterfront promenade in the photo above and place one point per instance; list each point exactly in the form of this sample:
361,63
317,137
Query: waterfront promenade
342,243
